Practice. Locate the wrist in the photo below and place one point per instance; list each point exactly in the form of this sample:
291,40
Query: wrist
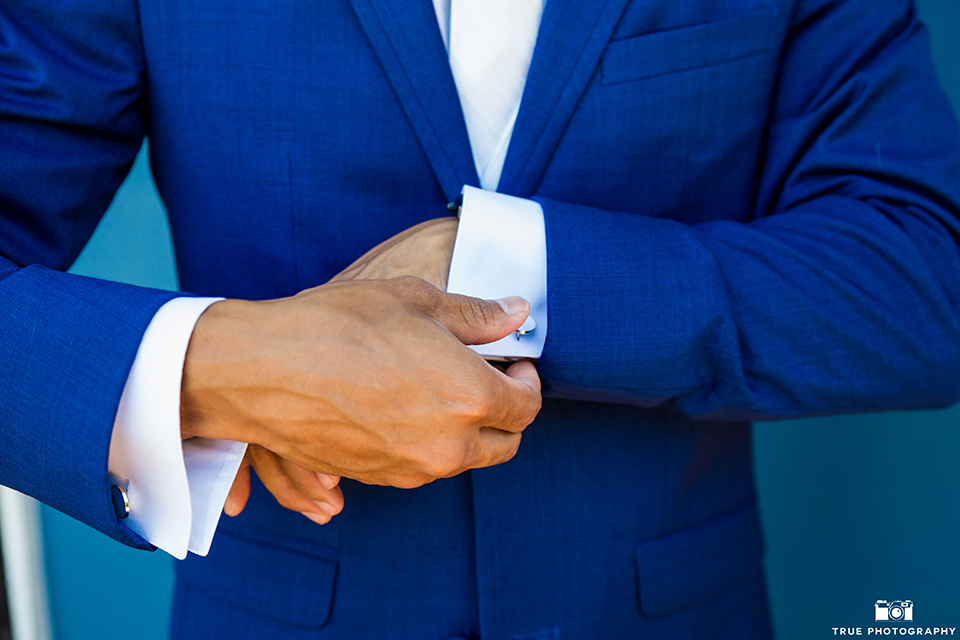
213,362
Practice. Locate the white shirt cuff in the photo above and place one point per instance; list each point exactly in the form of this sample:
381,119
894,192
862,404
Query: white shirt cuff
501,250
176,489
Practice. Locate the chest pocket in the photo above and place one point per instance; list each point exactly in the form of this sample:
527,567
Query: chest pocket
689,48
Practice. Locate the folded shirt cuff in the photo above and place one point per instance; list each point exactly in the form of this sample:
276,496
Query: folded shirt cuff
500,251
176,489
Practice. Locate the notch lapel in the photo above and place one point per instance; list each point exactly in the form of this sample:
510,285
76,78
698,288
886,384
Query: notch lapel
406,38
573,35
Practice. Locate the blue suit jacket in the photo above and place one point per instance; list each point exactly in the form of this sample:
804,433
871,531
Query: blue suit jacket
751,209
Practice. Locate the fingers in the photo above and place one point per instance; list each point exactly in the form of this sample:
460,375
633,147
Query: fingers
315,495
518,400
511,399
239,491
476,321
328,481
526,373
514,399
496,447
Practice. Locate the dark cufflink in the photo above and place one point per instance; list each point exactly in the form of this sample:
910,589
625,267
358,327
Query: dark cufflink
456,206
121,504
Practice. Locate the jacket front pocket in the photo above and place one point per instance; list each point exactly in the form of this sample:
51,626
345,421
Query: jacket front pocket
697,564
284,580
688,48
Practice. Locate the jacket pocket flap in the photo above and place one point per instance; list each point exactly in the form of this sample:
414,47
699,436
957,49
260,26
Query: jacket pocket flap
688,48
694,565
284,580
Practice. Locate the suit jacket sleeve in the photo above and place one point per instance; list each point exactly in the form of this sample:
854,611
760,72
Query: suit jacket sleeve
70,126
840,291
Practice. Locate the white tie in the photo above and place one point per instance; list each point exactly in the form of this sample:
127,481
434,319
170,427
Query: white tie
491,44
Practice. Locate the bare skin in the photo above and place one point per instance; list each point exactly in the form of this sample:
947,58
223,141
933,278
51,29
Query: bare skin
364,377
423,251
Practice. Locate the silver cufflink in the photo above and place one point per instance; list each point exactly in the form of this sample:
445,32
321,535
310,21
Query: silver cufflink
529,326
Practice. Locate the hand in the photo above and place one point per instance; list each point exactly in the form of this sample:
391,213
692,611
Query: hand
363,379
315,495
423,251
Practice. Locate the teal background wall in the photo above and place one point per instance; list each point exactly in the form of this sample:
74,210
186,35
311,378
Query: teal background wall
101,590
862,508
855,509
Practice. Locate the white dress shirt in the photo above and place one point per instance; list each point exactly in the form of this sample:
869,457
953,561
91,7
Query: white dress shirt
176,490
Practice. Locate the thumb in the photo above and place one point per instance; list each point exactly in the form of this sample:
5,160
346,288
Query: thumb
476,321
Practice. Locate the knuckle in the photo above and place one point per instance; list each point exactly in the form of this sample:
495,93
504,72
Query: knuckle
398,481
475,312
414,287
437,467
316,493
515,448
521,410
288,500
508,450
478,404
474,410
532,411
419,292
337,504
445,464
257,454
408,282
410,481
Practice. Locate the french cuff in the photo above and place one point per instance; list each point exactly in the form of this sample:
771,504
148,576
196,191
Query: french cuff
175,489
501,250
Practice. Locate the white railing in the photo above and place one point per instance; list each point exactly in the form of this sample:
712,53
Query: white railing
23,565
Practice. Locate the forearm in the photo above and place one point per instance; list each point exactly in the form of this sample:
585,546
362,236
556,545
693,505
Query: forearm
833,308
66,142
813,264
70,342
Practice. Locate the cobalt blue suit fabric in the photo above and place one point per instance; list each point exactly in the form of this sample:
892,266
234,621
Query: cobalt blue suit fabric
752,212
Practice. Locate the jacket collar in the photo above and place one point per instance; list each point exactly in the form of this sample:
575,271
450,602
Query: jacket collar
571,41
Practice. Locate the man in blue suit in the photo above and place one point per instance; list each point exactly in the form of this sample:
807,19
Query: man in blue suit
750,211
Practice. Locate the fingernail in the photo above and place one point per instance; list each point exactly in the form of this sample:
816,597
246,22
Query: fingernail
316,518
326,481
513,305
328,509
228,506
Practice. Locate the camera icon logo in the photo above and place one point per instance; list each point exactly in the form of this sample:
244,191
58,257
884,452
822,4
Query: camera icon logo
894,610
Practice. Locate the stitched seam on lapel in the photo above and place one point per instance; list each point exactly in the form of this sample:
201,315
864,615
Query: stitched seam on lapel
536,166
566,91
419,99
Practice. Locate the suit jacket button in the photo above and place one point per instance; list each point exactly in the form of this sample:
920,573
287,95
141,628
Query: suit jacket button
121,505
